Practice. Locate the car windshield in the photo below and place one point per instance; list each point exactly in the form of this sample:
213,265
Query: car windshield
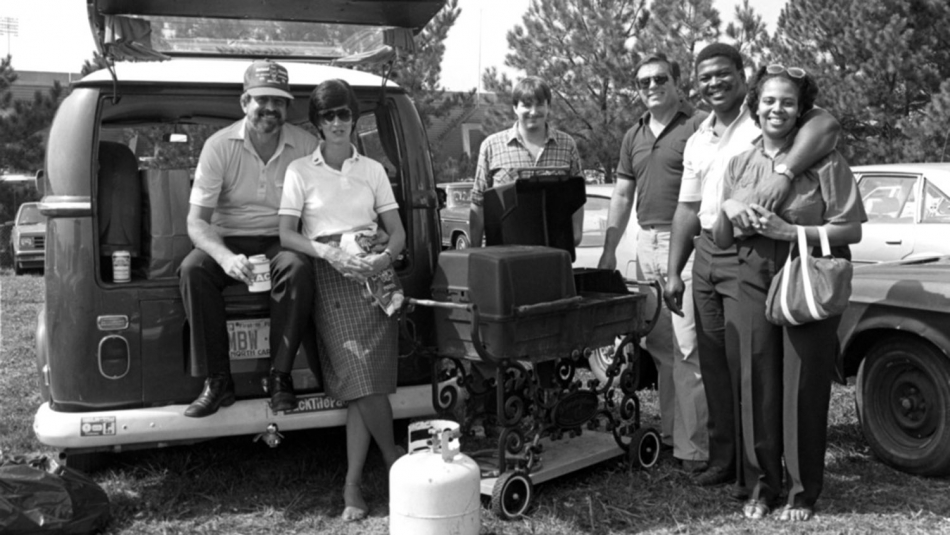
458,196
30,215
244,37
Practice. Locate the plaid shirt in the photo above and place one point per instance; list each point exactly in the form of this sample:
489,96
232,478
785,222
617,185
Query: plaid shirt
504,152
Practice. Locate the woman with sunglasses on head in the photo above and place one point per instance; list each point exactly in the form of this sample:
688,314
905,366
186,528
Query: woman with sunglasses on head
334,191
786,372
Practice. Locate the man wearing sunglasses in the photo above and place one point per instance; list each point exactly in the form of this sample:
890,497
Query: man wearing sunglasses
727,132
233,216
649,175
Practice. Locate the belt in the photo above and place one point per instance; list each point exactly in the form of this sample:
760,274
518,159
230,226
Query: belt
660,228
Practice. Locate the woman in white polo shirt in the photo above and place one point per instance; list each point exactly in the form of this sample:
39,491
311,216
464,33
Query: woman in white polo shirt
334,191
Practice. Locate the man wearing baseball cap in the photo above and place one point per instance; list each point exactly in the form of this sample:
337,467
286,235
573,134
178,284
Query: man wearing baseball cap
233,216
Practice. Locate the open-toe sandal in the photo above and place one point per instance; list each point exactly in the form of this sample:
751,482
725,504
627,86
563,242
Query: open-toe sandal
353,513
755,509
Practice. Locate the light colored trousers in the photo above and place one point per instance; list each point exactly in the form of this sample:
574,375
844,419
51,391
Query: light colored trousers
672,343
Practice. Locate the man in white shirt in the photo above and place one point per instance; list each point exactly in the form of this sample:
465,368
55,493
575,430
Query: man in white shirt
727,132
233,216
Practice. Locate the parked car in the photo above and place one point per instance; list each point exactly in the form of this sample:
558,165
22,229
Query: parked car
895,338
28,238
111,352
595,225
454,215
908,207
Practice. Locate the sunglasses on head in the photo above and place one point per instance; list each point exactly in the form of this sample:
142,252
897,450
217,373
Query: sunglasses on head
660,79
794,72
344,114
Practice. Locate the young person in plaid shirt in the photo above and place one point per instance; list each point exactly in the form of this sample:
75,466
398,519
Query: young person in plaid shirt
529,143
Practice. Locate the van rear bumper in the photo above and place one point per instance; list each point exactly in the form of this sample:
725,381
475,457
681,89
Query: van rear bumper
161,426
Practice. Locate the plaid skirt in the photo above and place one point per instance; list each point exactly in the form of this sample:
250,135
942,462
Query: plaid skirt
357,341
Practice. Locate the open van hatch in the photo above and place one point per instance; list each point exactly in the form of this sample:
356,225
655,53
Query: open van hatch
323,30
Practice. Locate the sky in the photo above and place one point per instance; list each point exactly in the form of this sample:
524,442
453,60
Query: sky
53,35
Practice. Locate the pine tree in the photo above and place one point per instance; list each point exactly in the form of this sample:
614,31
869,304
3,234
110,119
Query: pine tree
680,28
748,33
582,49
879,65
23,123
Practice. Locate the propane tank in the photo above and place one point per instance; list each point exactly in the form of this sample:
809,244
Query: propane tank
435,489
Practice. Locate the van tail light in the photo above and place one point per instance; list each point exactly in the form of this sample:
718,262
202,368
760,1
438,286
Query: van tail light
113,357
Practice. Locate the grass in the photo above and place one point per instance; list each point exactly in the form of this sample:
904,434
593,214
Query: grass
236,486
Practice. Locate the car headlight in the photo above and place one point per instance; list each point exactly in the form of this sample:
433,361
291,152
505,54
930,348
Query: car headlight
26,241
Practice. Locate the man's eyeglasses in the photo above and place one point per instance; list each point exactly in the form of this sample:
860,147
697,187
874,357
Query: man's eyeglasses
794,72
644,83
344,114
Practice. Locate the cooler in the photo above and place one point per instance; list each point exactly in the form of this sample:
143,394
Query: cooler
522,305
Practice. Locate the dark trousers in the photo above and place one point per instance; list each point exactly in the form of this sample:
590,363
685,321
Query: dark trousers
716,302
291,303
786,383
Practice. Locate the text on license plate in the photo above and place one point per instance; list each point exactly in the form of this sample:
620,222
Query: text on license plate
249,339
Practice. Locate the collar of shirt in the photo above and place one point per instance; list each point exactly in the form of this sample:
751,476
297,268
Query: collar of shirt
318,155
708,126
683,107
514,135
759,144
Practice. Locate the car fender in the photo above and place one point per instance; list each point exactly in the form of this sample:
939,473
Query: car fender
874,323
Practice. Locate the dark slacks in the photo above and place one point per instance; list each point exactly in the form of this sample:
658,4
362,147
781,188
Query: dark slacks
716,301
786,384
291,303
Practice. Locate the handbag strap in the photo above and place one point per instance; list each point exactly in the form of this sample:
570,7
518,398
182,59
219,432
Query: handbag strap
825,244
804,254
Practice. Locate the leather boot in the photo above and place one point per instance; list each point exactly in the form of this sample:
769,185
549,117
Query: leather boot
218,392
280,385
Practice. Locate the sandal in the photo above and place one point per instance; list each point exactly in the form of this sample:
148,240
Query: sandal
353,513
755,509
797,513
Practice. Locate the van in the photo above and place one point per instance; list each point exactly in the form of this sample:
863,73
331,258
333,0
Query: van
112,356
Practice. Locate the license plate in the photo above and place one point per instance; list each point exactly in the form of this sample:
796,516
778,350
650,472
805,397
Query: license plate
249,339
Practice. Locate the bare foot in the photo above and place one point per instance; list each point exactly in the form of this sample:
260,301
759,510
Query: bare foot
797,513
356,507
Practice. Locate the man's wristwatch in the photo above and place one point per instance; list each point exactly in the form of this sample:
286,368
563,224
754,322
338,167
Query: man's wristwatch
783,169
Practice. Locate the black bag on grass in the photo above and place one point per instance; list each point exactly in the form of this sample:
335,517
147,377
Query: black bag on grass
40,496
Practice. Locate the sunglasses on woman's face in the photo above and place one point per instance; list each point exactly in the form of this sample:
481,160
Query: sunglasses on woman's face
794,72
644,83
344,114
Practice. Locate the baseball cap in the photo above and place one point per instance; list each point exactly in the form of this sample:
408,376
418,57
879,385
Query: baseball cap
266,78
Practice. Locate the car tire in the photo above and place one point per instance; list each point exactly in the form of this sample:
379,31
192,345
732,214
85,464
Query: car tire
903,399
643,368
17,268
461,241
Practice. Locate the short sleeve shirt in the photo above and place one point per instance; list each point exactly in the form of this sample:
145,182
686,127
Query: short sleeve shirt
656,163
504,152
825,193
705,159
244,190
330,202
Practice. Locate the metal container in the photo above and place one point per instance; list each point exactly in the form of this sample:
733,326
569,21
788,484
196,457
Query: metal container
435,489
261,277
121,266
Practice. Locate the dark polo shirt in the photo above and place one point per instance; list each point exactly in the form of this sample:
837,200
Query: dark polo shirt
656,164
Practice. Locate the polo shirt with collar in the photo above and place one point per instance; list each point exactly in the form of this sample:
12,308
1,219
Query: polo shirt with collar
656,163
244,190
330,202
